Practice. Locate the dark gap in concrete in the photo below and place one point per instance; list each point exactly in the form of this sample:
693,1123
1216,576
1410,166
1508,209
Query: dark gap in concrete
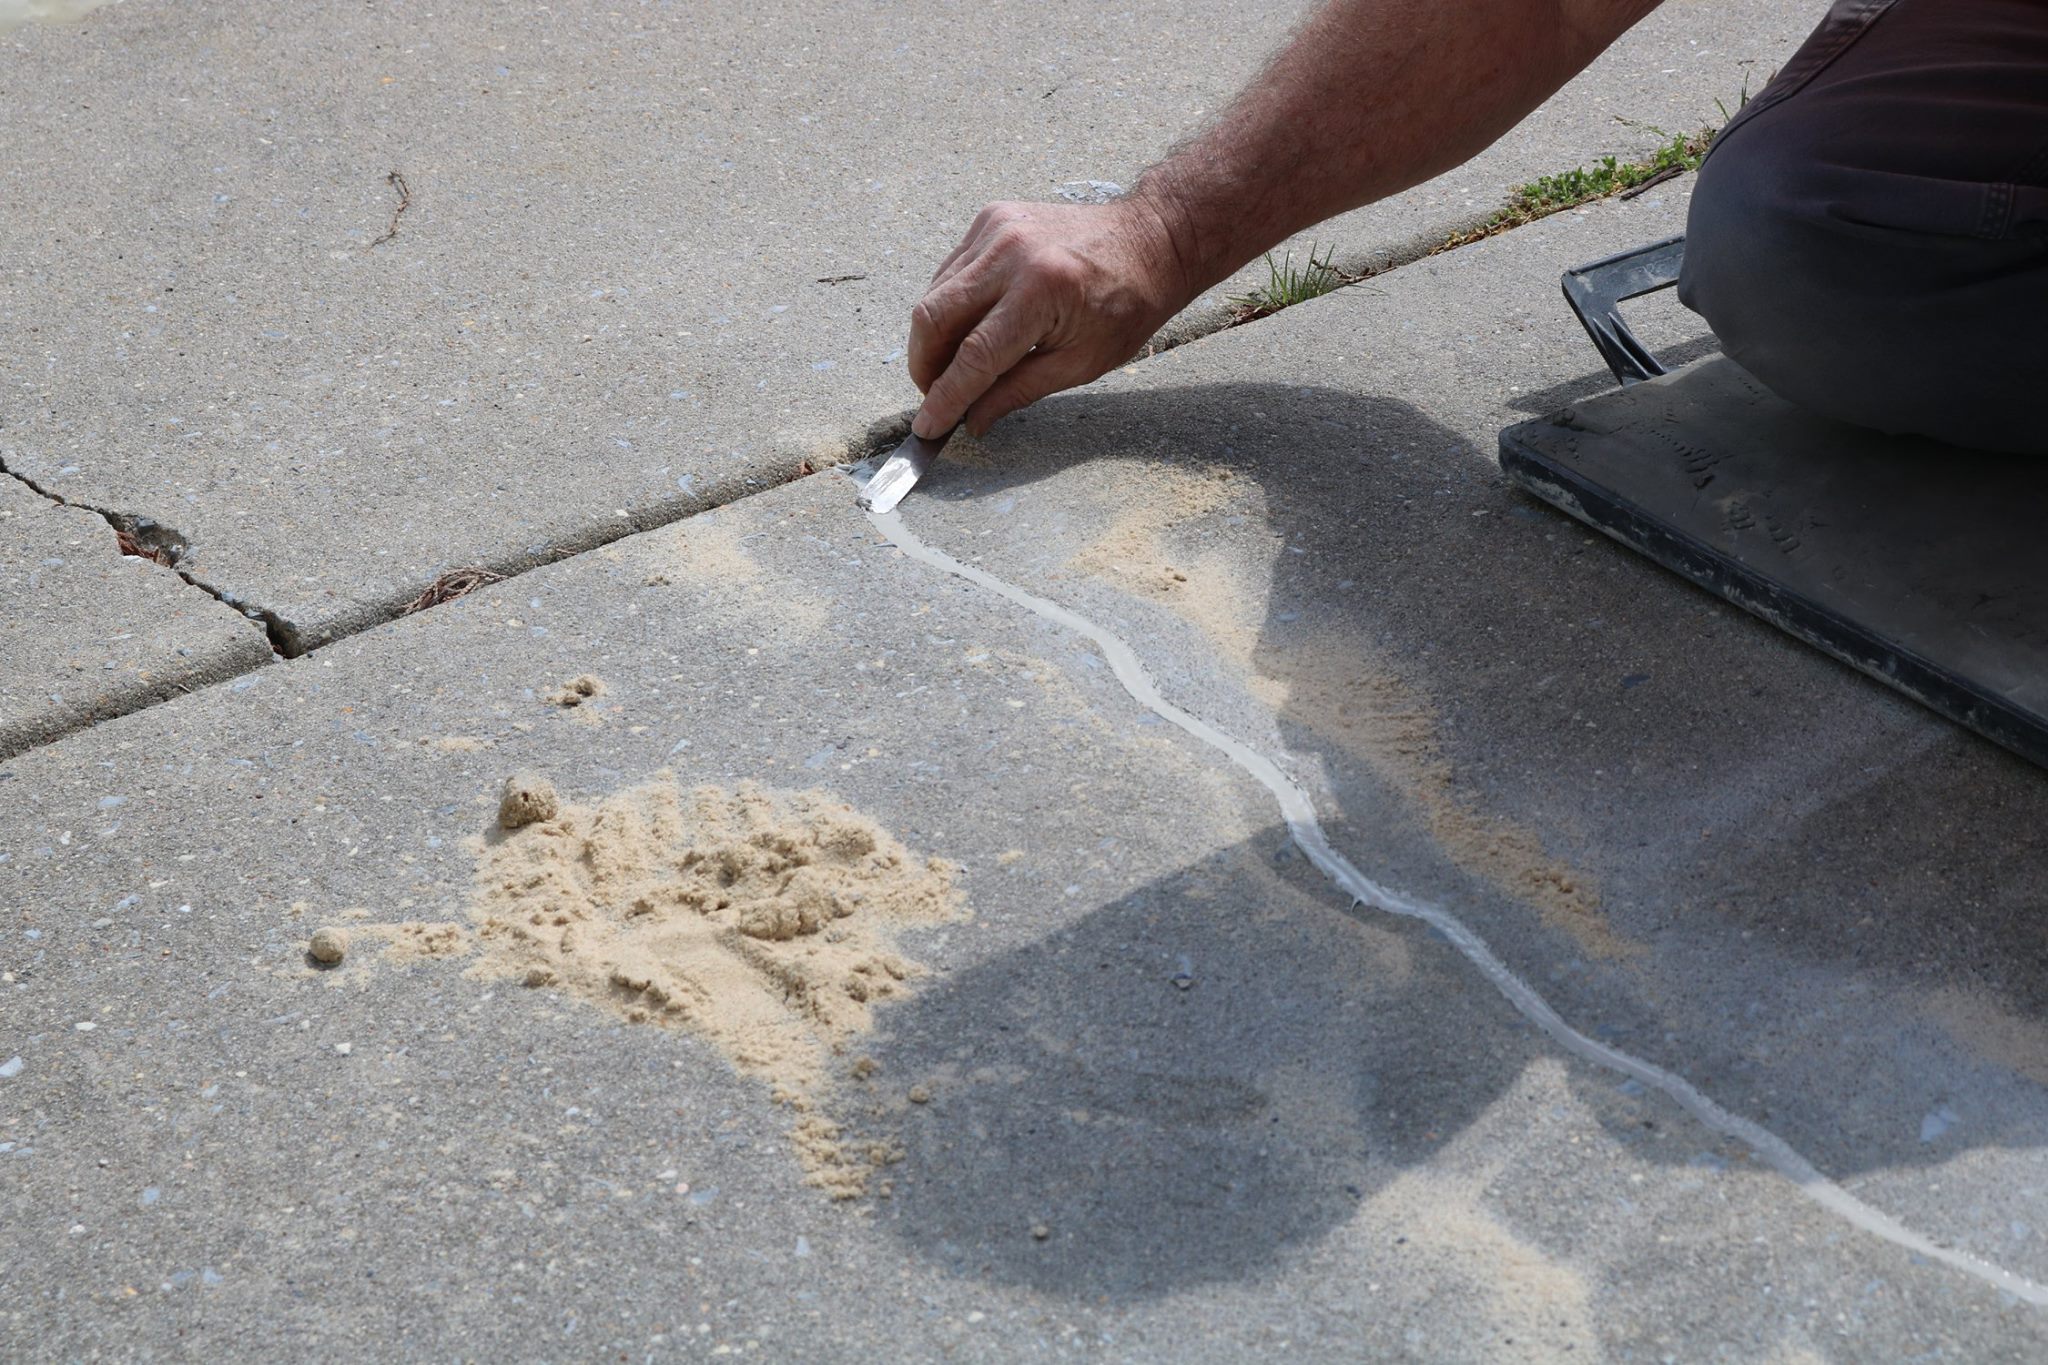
881,434
288,641
283,635
165,545
31,485
148,538
1197,322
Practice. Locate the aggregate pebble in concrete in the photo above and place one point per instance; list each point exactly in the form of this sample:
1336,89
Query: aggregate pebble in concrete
350,296
90,632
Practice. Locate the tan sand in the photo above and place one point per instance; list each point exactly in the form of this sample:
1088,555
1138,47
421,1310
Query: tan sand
762,922
1339,687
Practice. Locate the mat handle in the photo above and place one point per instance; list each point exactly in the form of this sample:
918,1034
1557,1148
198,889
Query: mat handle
1596,291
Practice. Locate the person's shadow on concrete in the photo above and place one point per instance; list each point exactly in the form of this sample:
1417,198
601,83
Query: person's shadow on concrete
1772,834
1179,1086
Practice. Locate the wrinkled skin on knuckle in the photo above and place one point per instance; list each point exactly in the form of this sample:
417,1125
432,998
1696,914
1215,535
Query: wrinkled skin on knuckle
924,341
976,357
1060,295
1057,270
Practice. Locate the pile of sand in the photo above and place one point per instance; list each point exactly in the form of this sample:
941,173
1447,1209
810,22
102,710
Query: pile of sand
760,921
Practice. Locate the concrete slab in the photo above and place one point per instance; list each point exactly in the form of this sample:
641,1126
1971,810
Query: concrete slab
91,632
350,297
1180,1104
1710,845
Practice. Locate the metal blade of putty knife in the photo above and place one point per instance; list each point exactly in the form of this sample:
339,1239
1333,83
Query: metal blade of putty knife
899,472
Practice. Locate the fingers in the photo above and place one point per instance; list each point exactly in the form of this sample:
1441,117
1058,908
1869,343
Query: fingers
1025,305
1036,376
971,243
973,278
989,352
943,318
985,231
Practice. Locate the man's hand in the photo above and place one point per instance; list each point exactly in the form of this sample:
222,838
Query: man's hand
1369,98
1035,299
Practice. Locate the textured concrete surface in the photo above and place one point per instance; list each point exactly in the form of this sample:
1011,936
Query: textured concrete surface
1184,1101
1333,1139
1710,845
90,632
349,296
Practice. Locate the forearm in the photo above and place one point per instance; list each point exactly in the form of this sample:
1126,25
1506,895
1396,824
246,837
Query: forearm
1368,99
1372,96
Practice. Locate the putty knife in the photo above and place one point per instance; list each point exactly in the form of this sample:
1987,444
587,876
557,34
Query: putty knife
898,472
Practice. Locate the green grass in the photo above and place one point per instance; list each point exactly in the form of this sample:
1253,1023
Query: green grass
1288,284
1548,194
1609,176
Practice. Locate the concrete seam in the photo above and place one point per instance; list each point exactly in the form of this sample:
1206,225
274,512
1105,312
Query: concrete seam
1194,324
288,640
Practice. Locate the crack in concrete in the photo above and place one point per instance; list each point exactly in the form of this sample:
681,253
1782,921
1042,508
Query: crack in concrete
167,546
1304,826
161,544
289,640
1206,320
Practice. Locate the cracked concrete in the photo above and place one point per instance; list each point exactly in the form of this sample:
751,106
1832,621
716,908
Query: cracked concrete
149,539
1174,1099
91,633
602,310
1178,1100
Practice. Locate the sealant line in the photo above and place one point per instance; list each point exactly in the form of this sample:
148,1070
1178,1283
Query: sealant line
1307,831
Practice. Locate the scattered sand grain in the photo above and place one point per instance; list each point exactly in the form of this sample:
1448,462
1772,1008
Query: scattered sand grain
1339,686
576,691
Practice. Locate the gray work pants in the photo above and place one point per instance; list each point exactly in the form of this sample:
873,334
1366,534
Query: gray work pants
1869,235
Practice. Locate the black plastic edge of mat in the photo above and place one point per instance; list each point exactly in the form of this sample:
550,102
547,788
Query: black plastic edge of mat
1946,693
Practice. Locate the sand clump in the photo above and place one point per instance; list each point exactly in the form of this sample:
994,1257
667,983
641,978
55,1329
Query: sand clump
527,799
763,922
411,941
329,945
576,691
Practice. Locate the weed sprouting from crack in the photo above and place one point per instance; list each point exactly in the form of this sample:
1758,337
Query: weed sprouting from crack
1288,284
1609,177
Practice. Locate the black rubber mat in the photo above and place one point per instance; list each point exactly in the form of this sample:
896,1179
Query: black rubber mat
1923,565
